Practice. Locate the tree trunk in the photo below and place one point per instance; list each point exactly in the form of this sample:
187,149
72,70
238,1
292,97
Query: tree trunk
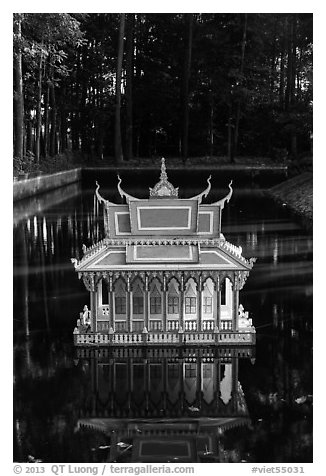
185,88
46,121
29,134
19,96
289,75
53,121
117,139
129,81
75,87
39,112
237,119
63,130
82,107
294,149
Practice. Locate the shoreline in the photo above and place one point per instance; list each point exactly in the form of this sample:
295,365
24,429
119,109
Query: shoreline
30,185
297,195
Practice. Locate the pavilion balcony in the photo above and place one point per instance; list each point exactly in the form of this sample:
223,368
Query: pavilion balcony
158,338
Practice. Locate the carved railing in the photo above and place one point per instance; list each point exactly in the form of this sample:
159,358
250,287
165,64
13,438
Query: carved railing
155,325
199,338
190,325
127,339
226,325
208,325
173,325
237,338
165,338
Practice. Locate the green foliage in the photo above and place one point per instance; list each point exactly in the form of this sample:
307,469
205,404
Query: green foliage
74,57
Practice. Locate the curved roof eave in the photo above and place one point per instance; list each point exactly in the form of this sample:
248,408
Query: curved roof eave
227,198
99,196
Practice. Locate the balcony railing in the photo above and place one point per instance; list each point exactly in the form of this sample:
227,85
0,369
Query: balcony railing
165,338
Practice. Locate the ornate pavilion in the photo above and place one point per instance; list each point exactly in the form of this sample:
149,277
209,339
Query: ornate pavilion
164,273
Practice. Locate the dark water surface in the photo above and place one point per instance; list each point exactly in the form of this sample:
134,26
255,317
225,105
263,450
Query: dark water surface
251,405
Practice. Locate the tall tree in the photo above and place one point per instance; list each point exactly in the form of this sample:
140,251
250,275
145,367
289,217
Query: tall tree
185,86
18,94
240,83
39,105
129,81
117,141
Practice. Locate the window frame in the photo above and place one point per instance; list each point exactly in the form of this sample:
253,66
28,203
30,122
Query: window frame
138,304
207,307
174,305
155,305
120,304
190,305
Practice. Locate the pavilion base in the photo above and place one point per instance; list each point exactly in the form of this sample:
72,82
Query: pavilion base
166,338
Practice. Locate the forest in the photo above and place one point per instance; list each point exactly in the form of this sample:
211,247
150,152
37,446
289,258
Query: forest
114,87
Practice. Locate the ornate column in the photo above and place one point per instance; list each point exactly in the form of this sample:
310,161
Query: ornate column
182,302
199,303
94,305
146,302
164,310
218,302
128,302
111,303
235,305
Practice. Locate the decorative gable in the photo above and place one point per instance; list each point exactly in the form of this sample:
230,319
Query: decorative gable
163,189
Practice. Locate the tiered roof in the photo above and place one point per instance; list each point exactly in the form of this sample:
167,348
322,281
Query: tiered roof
163,232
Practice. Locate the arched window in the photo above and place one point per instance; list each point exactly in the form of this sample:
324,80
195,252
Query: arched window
223,293
105,292
208,297
138,300
155,301
173,298
120,299
207,305
190,298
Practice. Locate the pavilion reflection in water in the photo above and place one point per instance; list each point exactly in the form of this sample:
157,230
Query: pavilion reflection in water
163,404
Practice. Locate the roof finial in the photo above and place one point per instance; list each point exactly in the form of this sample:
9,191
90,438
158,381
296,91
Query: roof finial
163,175
163,189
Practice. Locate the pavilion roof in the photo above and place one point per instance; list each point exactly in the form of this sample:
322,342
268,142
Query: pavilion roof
148,256
165,190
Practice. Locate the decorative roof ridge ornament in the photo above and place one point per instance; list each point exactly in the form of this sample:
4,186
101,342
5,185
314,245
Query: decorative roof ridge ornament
123,193
99,196
227,198
163,189
200,196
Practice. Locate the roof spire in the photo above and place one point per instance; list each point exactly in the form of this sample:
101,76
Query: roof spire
164,175
163,189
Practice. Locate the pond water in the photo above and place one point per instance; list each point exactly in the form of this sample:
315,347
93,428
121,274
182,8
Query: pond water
227,405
